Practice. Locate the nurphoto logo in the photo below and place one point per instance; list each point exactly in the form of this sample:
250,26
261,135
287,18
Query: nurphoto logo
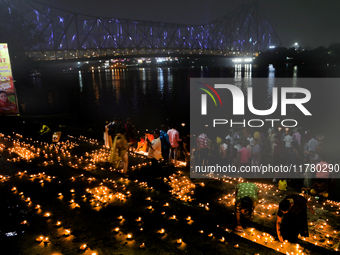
238,100
226,113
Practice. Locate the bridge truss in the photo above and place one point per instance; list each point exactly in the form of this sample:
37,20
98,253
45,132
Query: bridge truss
73,35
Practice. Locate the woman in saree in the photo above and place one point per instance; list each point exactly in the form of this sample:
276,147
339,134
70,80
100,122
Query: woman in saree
119,150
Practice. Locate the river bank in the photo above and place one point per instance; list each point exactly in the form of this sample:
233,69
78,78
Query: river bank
71,183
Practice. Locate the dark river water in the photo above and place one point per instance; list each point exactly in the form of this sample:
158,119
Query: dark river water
153,96
149,96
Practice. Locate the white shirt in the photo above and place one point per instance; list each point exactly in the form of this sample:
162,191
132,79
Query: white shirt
236,136
312,144
231,139
288,139
238,147
251,140
155,150
270,130
223,150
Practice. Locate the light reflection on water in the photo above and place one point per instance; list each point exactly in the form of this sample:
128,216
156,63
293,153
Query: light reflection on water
95,88
150,96
169,76
247,75
271,84
80,82
243,76
160,77
147,95
116,82
295,80
238,75
144,80
139,93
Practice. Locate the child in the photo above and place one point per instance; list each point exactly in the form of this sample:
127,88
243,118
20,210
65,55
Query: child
141,146
318,189
282,185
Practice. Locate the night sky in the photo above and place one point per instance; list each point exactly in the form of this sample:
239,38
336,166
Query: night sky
311,23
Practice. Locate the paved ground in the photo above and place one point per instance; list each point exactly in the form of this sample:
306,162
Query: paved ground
70,183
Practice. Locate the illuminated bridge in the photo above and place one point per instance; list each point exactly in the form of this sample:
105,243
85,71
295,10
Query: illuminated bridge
69,35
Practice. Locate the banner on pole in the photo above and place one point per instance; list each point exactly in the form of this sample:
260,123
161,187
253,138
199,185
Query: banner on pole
8,97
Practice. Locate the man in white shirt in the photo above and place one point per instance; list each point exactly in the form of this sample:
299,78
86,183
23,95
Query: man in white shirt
230,138
155,149
312,143
237,135
250,139
288,140
223,153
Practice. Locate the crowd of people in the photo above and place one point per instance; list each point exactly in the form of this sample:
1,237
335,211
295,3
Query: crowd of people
251,147
164,143
277,146
241,147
